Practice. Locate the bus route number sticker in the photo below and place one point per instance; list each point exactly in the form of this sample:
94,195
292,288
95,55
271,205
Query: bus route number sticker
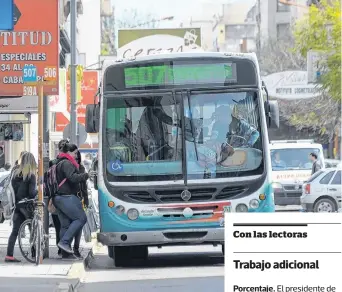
227,209
50,73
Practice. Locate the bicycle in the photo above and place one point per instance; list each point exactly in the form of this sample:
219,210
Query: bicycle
37,236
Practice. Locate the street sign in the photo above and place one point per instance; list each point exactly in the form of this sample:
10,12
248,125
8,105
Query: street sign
33,41
82,134
29,74
50,73
6,15
314,66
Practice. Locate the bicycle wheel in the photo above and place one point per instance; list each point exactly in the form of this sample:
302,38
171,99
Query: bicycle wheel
38,242
27,254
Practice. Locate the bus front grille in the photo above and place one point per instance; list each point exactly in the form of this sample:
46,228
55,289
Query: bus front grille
175,195
172,196
141,197
230,192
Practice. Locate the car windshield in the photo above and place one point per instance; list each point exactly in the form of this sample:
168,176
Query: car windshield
144,141
292,158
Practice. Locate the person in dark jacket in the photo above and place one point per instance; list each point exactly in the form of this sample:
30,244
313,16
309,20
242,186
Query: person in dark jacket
2,157
83,196
316,166
68,205
25,187
55,220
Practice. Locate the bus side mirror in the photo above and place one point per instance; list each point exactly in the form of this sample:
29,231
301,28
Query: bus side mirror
92,118
272,113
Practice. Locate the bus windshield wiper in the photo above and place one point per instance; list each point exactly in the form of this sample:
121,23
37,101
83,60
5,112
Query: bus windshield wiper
191,124
175,124
184,158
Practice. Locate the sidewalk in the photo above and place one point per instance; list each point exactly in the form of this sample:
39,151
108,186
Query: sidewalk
25,276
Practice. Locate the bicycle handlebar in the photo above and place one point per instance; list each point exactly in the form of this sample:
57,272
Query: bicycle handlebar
35,201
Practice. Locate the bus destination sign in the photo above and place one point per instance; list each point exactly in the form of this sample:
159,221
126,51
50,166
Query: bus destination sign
161,75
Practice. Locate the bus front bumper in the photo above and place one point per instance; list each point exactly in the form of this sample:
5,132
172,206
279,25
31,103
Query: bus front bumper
163,237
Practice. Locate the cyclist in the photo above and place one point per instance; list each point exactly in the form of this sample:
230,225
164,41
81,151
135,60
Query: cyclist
25,187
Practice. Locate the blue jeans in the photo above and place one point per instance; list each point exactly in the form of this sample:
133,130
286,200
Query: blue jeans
72,217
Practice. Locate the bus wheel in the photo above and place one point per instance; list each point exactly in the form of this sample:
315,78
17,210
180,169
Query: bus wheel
111,252
125,255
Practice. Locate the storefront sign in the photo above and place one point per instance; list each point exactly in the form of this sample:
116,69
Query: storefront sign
34,41
89,87
142,42
290,85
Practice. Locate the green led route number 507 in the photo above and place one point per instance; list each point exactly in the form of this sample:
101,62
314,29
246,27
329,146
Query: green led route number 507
146,76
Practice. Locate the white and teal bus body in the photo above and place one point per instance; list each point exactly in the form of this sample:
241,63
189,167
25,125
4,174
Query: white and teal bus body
164,175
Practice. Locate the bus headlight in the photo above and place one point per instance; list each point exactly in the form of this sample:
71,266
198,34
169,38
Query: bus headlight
119,210
241,208
133,214
254,204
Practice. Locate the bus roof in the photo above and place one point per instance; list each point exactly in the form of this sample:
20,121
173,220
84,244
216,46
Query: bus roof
174,56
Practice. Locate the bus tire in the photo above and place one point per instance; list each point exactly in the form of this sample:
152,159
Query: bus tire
223,249
111,252
124,255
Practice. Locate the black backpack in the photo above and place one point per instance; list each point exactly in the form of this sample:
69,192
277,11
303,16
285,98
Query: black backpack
51,186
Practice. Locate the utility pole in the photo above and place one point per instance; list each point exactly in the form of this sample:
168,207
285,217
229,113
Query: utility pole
73,76
46,159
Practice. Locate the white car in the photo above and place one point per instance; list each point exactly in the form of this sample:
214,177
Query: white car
331,163
322,192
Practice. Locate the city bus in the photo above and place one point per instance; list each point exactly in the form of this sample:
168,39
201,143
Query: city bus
182,139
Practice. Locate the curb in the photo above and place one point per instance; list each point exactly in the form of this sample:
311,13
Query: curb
78,270
65,287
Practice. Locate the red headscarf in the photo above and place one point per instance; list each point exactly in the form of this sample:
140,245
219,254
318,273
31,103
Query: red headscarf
70,158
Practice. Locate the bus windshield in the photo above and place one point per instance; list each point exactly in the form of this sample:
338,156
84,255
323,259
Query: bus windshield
292,158
144,136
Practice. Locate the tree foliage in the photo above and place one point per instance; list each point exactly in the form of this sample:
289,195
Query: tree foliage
320,115
320,30
133,19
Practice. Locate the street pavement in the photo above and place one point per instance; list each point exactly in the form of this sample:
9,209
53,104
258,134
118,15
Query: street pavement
181,269
24,276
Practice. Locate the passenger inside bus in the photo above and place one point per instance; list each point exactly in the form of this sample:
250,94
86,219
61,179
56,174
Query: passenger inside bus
152,138
239,133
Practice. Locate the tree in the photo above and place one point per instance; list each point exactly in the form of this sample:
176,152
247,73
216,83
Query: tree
320,30
319,115
278,55
133,19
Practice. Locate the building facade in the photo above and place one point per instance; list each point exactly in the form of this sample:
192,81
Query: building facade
277,17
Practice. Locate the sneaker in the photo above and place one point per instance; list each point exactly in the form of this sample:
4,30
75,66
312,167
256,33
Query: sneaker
69,257
65,247
78,254
12,259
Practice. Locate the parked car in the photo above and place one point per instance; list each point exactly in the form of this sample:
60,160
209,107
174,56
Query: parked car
322,192
331,163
